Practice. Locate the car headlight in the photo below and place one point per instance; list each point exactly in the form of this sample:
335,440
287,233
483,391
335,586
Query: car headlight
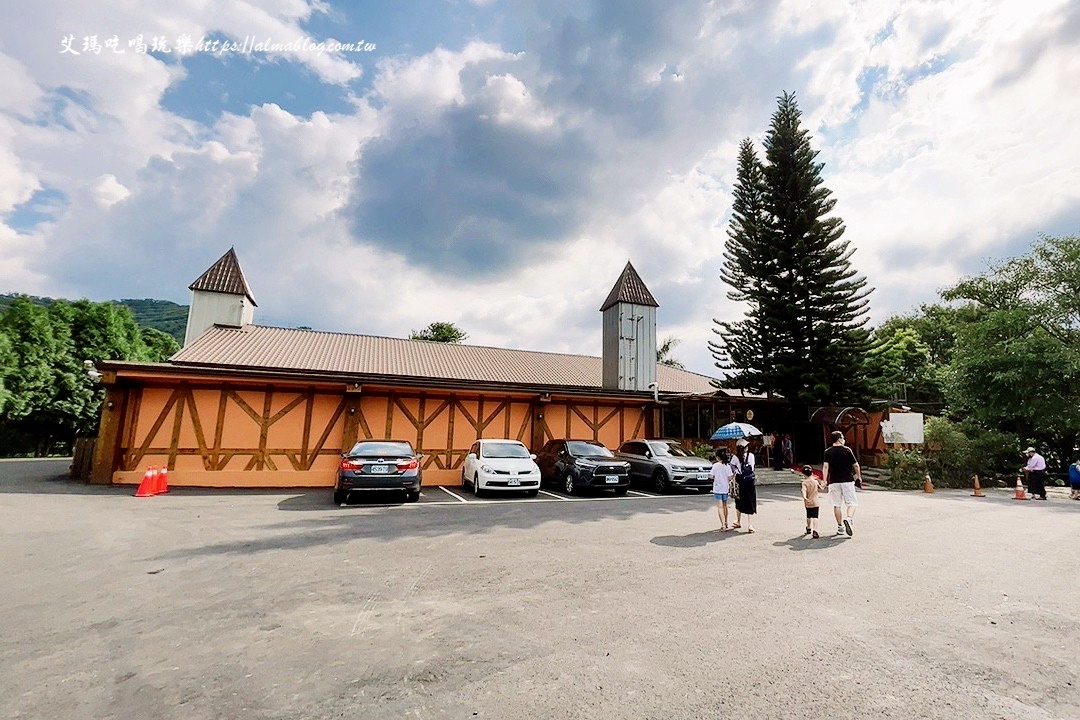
486,468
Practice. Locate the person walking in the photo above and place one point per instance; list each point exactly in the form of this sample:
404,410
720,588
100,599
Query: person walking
810,487
1036,474
742,468
721,486
840,470
1074,480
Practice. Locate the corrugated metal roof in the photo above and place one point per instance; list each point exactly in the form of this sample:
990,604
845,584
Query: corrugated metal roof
270,348
629,289
225,276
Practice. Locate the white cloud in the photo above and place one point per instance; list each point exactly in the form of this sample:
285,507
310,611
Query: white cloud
108,191
945,129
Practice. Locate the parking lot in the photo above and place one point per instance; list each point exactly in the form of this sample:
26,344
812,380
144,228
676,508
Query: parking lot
279,604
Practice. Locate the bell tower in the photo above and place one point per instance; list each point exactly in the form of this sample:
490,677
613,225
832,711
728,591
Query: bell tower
220,296
629,350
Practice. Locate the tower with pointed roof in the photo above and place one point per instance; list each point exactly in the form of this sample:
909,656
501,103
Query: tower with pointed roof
220,296
629,350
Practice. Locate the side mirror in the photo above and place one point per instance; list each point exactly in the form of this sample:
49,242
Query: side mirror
470,456
419,456
532,456
648,453
562,452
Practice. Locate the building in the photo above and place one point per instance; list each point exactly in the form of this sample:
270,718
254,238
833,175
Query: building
244,405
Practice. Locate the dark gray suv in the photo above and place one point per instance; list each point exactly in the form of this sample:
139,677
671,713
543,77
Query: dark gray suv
664,465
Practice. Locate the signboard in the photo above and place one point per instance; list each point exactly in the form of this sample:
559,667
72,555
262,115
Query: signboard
903,428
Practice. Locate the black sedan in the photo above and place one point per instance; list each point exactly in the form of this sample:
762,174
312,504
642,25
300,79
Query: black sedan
379,465
578,464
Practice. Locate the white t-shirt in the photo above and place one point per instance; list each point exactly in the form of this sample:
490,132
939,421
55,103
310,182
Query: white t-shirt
721,477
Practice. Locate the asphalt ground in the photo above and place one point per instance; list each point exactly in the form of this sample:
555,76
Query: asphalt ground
278,604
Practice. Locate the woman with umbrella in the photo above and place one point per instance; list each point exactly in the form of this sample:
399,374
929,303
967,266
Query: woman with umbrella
742,469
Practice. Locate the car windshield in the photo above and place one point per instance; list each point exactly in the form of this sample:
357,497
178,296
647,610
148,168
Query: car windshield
504,450
587,449
673,449
381,449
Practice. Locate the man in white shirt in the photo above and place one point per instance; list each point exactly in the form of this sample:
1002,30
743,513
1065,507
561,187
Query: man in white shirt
1036,474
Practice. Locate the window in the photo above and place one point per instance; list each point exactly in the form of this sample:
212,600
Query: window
587,449
504,450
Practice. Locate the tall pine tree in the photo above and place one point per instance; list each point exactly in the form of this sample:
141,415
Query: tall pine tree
803,336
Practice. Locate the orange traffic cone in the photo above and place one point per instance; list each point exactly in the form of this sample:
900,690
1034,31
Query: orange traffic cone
928,485
1019,490
146,487
978,488
163,481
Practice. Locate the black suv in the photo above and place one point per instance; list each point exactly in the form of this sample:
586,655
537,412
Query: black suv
578,464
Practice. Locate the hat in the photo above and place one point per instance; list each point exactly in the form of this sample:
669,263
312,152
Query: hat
741,443
1030,449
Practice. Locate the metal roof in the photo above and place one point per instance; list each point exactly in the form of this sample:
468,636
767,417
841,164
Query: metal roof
224,276
629,289
259,347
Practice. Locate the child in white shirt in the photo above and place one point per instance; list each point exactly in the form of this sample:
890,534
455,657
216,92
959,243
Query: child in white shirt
721,477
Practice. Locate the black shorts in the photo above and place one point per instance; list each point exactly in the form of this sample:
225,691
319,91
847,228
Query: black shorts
812,512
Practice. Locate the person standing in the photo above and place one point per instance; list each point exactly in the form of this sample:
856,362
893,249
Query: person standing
742,469
1036,474
840,470
1074,480
721,486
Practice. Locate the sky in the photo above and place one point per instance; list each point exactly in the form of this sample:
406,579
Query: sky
385,164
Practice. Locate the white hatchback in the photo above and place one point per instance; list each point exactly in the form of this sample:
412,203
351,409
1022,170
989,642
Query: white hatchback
500,465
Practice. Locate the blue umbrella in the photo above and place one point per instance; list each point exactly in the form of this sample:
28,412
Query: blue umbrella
734,430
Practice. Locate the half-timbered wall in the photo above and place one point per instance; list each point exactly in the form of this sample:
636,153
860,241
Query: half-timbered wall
222,435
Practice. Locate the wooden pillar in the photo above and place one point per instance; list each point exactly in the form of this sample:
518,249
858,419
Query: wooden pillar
107,445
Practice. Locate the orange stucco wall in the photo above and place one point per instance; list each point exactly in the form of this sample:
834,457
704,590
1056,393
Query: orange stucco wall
235,435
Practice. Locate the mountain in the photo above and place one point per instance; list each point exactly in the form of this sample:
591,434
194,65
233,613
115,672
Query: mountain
163,315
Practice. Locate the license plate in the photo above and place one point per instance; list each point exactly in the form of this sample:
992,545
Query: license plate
513,481
611,479
703,476
380,469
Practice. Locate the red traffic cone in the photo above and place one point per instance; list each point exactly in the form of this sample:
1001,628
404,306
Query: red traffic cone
146,487
163,481
1019,490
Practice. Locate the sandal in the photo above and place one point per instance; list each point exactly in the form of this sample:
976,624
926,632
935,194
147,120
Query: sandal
750,530
736,526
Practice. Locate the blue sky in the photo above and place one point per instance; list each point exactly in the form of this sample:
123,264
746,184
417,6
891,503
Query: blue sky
495,164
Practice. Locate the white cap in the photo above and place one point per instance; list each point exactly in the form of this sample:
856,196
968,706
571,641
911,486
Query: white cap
741,443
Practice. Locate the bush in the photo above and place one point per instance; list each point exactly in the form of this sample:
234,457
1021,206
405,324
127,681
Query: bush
956,451
907,470
704,450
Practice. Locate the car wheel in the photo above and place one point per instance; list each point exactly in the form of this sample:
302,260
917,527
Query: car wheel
569,485
620,491
660,481
340,496
412,495
476,485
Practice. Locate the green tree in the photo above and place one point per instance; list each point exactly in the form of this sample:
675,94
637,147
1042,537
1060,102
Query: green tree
7,367
1016,368
28,423
803,336
160,346
444,332
663,353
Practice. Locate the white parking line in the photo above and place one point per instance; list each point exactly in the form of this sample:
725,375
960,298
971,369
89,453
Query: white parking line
551,494
635,492
453,495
